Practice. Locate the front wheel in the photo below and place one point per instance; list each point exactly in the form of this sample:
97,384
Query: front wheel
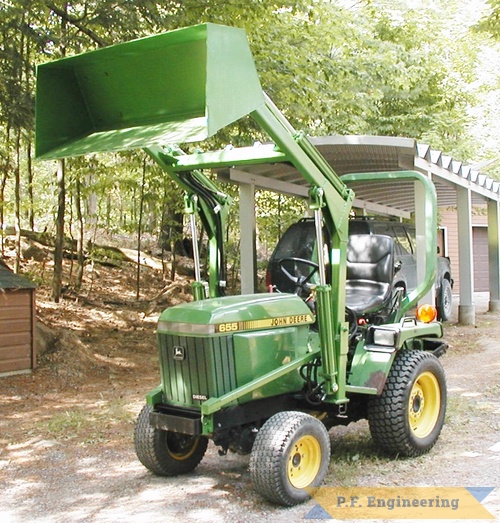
290,457
164,452
408,416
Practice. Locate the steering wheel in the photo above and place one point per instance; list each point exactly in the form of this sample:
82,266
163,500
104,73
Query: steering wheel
301,282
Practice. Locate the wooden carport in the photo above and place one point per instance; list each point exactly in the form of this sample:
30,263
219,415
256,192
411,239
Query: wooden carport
457,185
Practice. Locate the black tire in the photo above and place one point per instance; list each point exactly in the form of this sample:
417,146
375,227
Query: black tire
407,418
290,457
166,453
445,301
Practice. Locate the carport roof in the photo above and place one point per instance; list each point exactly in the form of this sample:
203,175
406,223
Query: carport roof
351,154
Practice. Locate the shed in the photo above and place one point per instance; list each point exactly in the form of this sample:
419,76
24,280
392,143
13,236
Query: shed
17,323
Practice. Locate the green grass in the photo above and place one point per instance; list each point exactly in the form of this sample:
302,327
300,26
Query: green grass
90,425
67,424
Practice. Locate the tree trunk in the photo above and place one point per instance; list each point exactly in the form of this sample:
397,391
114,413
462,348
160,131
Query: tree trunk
29,166
59,243
171,238
5,176
17,200
28,75
139,231
61,205
81,232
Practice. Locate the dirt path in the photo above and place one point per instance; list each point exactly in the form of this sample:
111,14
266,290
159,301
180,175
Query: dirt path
66,451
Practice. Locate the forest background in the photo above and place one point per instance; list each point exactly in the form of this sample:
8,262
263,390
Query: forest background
424,69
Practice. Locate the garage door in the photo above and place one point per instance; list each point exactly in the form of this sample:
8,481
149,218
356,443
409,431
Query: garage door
480,246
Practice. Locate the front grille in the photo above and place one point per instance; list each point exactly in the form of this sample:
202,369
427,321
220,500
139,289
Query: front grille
195,369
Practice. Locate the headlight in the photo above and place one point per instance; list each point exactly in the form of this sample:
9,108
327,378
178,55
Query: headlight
384,337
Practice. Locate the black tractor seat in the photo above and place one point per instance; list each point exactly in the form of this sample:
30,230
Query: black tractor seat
370,272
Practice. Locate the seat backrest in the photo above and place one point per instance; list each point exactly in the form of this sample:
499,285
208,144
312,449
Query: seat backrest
370,257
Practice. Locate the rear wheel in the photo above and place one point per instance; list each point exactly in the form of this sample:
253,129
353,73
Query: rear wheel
445,301
408,416
164,452
290,457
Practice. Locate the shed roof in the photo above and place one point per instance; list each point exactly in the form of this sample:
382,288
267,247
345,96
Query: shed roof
9,280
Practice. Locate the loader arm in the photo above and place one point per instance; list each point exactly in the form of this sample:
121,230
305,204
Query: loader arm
293,147
212,207
182,87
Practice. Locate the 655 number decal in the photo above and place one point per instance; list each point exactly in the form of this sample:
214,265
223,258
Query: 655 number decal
234,326
228,327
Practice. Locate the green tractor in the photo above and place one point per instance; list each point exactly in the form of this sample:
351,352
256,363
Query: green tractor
267,374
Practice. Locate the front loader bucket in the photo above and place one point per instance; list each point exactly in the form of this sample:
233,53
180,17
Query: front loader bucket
180,86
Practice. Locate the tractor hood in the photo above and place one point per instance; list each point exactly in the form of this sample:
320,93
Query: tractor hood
235,314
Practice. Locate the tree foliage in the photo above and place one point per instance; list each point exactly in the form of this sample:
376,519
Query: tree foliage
491,22
332,66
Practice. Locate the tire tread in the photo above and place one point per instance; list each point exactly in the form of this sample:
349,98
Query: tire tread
267,468
151,449
387,413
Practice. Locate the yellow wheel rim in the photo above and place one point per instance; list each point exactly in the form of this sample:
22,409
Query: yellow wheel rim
181,447
424,404
304,461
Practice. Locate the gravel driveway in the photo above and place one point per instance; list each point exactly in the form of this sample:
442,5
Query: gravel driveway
66,450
